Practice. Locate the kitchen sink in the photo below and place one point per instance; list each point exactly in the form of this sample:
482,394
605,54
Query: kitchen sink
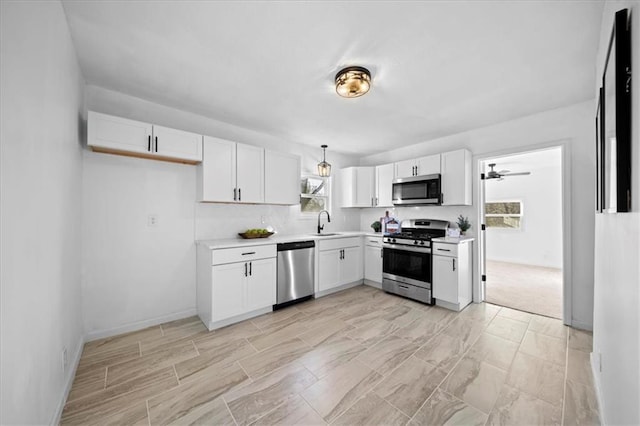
326,234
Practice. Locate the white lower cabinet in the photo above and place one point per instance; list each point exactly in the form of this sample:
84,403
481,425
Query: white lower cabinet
235,284
228,290
261,284
373,259
339,262
452,277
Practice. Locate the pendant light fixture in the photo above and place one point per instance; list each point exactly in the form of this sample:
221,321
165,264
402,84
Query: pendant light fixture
352,82
324,168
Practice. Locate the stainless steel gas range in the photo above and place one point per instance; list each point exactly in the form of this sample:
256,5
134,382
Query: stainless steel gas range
406,259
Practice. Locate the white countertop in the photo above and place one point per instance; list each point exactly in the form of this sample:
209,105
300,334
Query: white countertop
453,240
277,238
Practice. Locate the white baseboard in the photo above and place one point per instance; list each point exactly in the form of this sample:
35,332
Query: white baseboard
100,334
581,325
596,382
337,289
225,322
373,284
71,375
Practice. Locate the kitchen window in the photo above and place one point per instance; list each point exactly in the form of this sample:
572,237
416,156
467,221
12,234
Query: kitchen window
503,214
315,195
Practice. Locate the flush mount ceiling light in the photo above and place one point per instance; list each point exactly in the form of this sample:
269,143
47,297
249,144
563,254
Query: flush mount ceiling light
324,168
352,82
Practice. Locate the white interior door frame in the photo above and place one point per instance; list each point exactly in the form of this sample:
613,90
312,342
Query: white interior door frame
479,290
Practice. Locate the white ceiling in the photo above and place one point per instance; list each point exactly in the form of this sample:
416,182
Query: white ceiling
438,68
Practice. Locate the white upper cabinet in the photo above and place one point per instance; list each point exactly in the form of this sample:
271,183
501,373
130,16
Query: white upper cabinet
357,184
250,173
107,133
384,181
456,178
118,134
172,143
231,172
428,165
367,186
217,173
281,178
406,168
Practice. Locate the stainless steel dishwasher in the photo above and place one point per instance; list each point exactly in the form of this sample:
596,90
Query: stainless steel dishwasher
296,271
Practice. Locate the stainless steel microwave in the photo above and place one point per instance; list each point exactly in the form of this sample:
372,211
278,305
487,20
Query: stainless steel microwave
417,190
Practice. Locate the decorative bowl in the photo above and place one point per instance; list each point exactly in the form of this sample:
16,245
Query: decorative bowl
251,236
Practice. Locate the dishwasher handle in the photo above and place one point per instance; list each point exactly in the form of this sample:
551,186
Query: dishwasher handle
296,245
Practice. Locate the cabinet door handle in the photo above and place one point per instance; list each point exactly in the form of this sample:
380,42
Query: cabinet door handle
250,267
235,191
443,249
403,286
239,194
156,144
381,253
454,264
376,201
249,252
149,144
245,269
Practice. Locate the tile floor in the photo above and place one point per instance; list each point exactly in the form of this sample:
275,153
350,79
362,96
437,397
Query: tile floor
534,289
360,356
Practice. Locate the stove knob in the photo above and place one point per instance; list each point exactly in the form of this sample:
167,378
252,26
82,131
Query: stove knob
421,243
393,240
415,242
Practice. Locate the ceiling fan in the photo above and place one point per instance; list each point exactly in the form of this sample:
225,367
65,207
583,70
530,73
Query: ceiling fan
492,174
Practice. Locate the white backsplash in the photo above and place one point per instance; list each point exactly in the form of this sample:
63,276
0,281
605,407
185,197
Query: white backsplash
226,220
450,213
215,221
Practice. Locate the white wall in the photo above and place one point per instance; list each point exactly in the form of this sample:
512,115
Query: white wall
572,125
41,167
135,275
538,241
616,328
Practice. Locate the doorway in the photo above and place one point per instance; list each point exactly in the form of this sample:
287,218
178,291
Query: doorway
522,209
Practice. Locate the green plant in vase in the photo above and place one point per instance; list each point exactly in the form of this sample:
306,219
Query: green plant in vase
464,224
377,226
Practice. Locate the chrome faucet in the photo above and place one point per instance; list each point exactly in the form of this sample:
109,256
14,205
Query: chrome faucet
320,228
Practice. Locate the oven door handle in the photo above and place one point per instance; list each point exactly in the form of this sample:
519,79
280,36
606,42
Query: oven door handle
426,250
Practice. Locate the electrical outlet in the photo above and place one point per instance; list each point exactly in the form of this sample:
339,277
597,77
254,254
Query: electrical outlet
262,220
152,220
64,360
